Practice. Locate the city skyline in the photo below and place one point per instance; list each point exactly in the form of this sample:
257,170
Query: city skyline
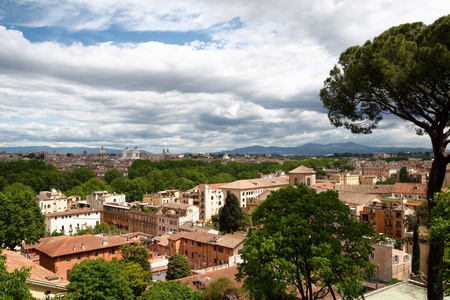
203,76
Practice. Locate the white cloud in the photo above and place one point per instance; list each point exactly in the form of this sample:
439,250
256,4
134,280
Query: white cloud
255,82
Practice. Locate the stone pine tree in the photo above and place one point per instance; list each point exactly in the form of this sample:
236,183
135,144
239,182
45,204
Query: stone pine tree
403,72
304,245
231,216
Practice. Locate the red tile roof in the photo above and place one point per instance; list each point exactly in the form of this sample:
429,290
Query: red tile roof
63,245
16,261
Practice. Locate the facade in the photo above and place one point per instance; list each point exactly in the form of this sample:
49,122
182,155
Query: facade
72,221
250,189
208,198
382,173
204,250
52,201
304,175
346,179
390,262
368,180
131,154
118,215
60,253
386,218
98,198
143,221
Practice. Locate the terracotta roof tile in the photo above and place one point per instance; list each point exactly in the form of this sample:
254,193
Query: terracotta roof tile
257,183
62,245
302,170
16,261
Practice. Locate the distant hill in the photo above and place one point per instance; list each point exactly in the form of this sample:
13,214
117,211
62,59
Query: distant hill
322,149
80,150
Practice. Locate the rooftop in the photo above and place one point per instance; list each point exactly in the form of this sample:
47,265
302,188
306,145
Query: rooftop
257,183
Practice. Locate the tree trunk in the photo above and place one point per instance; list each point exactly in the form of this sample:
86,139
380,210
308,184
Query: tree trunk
436,179
416,251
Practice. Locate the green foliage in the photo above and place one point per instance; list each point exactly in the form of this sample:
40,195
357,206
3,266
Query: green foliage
56,233
20,219
440,235
98,279
222,288
305,239
138,253
88,187
137,278
215,221
104,227
416,251
112,174
395,158
18,186
170,290
403,175
178,267
14,286
393,281
231,216
347,167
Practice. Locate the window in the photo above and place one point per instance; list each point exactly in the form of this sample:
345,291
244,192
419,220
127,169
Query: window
372,256
95,254
215,248
78,257
406,257
220,250
192,254
395,259
68,259
199,244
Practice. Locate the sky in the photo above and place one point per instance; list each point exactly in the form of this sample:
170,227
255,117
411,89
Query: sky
188,76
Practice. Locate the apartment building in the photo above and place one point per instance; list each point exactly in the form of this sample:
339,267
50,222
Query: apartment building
416,191
346,179
52,201
386,218
209,198
390,262
118,215
72,221
60,253
204,250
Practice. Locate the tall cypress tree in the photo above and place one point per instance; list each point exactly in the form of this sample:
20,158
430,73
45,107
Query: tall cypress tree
416,251
230,215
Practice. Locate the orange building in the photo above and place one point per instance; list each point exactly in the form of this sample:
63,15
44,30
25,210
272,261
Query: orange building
60,253
386,218
117,215
204,250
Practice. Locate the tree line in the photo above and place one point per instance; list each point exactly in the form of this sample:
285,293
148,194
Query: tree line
144,176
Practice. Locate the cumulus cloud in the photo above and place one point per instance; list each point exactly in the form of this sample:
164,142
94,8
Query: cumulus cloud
254,80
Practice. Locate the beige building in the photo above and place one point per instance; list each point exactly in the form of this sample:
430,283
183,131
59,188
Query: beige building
250,189
346,179
390,262
52,201
162,197
303,175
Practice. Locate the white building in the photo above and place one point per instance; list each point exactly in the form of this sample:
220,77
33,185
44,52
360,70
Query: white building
98,198
72,221
52,201
207,197
131,154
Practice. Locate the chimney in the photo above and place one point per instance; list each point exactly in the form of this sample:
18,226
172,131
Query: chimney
82,246
73,247
104,242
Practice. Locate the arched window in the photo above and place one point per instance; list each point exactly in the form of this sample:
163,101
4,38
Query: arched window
295,181
308,181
